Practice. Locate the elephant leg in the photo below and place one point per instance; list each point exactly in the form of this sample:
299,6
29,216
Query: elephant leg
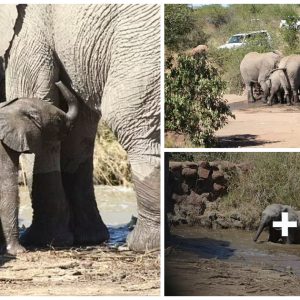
77,174
250,96
146,178
9,199
136,124
51,213
271,98
295,96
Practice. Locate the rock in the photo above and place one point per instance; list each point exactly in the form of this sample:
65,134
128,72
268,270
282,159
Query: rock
204,164
174,166
189,172
219,189
178,198
191,165
203,173
185,188
218,177
223,222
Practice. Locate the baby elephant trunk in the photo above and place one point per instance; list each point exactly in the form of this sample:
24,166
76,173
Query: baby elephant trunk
72,103
259,231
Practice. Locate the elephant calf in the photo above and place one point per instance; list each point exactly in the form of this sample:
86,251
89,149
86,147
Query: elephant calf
273,213
25,124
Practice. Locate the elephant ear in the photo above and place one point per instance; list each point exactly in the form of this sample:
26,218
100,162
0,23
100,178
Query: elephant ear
20,129
8,17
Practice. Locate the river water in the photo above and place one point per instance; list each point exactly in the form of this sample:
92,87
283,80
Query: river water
116,204
236,246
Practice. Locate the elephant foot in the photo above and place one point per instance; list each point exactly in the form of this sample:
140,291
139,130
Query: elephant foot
42,237
144,237
91,233
15,248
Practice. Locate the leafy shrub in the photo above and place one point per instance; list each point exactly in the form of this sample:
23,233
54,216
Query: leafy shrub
182,30
193,98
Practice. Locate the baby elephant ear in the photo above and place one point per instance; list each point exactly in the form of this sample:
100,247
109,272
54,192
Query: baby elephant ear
20,129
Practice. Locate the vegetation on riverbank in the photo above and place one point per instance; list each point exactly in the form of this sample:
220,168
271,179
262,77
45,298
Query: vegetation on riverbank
111,165
272,178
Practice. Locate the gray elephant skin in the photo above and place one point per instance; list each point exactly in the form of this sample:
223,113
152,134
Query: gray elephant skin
109,56
273,213
255,68
275,88
26,124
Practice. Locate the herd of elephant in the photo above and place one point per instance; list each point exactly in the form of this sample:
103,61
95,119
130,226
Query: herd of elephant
277,76
65,67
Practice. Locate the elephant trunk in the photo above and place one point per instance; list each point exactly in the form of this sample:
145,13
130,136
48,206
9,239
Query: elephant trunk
72,103
259,231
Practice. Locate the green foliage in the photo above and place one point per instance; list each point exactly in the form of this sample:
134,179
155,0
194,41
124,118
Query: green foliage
182,30
193,99
290,34
220,23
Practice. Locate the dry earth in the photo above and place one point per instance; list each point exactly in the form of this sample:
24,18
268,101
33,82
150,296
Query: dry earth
255,125
80,271
259,125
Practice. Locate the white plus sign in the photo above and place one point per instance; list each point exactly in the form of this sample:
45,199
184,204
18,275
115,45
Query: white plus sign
285,224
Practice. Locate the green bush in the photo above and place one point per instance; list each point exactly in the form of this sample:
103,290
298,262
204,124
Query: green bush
193,99
182,30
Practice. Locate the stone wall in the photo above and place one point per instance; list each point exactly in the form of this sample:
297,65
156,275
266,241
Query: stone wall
196,188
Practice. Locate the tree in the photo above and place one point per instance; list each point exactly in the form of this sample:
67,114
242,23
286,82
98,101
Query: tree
193,99
181,28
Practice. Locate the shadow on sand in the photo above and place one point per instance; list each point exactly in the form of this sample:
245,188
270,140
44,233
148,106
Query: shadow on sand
241,140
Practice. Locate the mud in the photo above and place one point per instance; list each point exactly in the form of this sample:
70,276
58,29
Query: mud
227,262
109,269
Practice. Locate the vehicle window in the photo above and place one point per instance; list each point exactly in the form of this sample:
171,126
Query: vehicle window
236,39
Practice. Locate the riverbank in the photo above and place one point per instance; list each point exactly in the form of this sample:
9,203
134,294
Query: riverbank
207,262
87,271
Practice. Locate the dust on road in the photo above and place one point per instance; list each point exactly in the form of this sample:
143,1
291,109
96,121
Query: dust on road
259,125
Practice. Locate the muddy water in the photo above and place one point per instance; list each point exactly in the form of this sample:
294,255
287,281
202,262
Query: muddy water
116,205
237,246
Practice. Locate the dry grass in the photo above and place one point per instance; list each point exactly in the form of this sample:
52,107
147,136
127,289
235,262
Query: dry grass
111,165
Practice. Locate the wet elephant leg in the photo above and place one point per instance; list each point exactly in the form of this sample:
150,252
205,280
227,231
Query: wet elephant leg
77,173
9,199
51,214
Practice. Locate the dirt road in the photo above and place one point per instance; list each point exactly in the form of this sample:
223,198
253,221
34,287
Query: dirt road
80,271
259,125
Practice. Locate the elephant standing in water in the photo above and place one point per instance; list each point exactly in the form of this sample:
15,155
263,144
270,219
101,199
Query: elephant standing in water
109,56
25,125
273,213
255,68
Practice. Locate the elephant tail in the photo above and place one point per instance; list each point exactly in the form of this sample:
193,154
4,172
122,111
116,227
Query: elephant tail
72,102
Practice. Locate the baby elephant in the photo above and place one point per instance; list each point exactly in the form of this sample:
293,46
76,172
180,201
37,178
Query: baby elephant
273,213
26,124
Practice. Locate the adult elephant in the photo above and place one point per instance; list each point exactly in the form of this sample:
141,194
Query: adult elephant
255,68
273,212
109,55
2,80
289,73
